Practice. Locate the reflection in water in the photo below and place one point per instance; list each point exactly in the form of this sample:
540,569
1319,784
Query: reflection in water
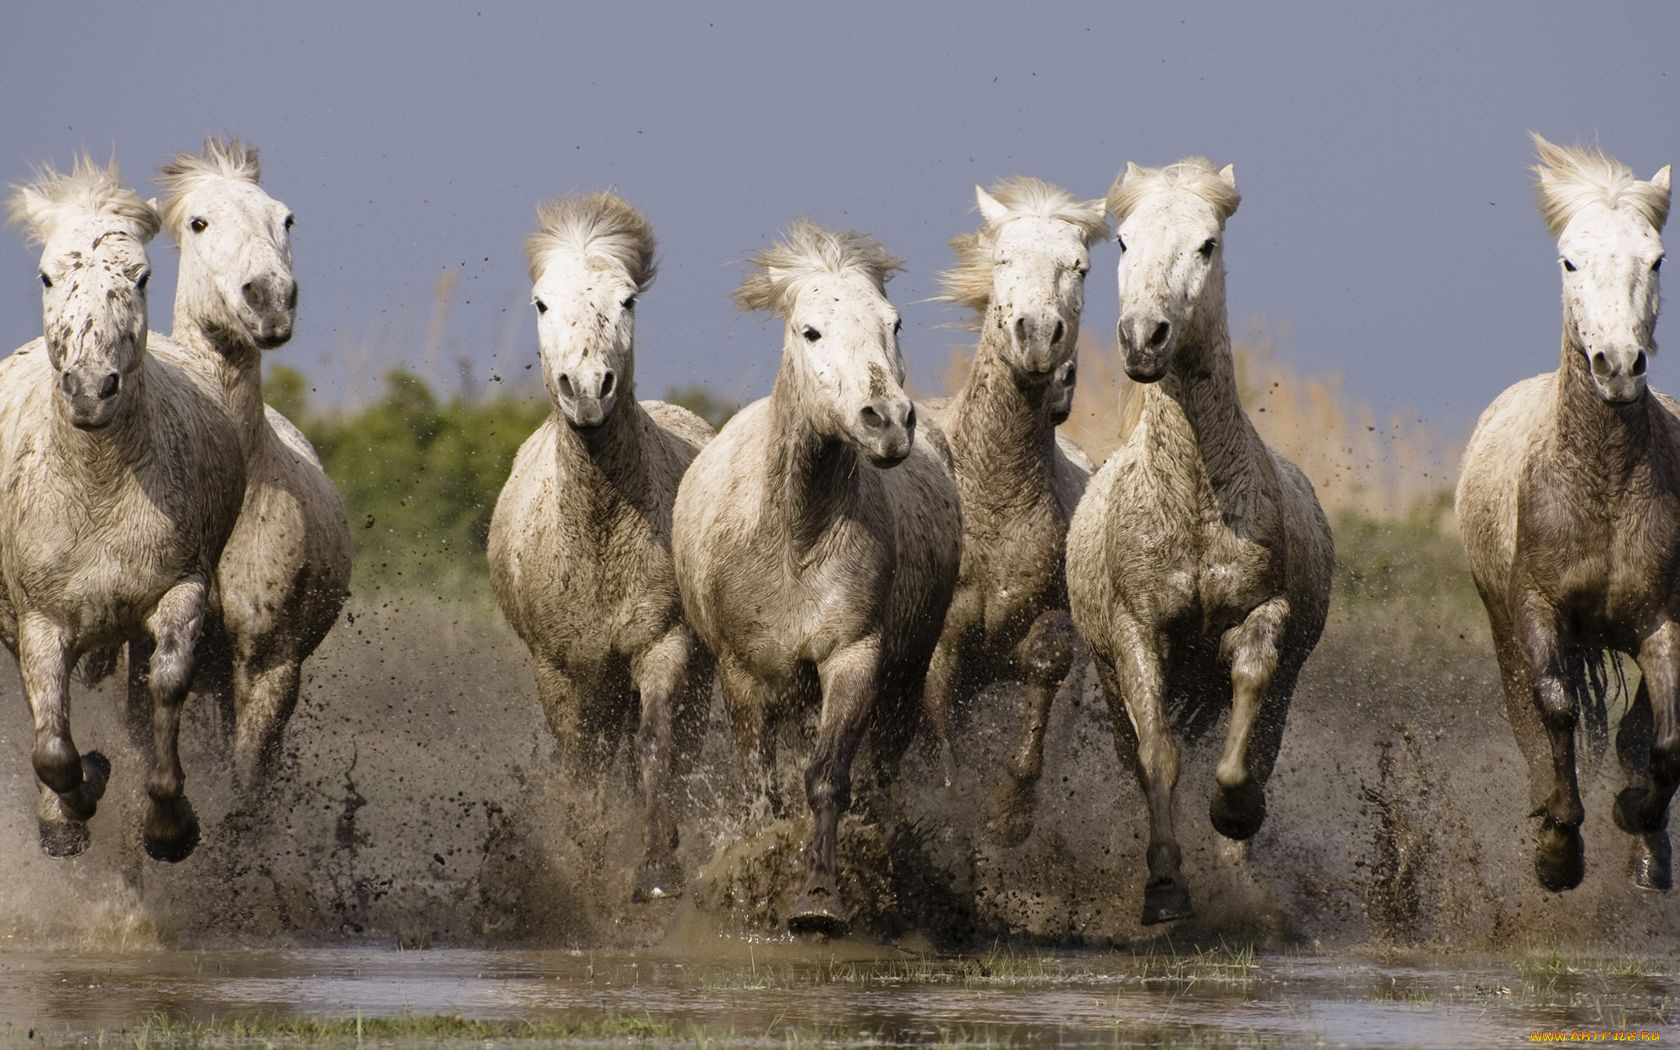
770,988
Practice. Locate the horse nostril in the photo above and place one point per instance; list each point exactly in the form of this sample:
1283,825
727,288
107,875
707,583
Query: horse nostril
108,389
291,297
250,292
872,418
1639,364
1600,364
607,385
566,387
1021,328
1056,336
910,418
67,384
1159,335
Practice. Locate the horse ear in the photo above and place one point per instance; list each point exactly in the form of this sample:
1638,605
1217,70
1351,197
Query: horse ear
1132,170
1228,175
28,207
1660,179
990,210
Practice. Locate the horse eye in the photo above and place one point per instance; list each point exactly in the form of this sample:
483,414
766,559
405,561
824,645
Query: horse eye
46,282
1122,242
898,326
1656,267
1082,269
542,307
140,284
629,303
1568,266
198,225
290,220
1206,250
811,334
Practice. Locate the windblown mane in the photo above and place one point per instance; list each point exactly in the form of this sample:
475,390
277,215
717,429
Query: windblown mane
89,189
1571,177
807,249
1198,175
970,281
222,158
600,224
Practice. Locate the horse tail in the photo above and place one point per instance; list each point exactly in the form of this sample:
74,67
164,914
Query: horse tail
1590,683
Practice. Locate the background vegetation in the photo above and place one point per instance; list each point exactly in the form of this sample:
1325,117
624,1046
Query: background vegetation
420,473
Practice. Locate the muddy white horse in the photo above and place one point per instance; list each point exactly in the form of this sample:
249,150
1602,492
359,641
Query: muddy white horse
1569,506
122,479
286,571
817,538
580,543
1199,562
1023,274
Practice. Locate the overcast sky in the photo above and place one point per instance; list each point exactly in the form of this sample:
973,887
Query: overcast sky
1387,224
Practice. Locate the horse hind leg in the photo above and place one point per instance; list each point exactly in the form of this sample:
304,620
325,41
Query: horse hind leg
1045,660
265,693
170,831
1650,736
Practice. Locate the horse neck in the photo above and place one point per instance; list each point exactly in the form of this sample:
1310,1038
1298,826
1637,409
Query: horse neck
235,364
1195,407
997,422
609,461
1596,443
812,476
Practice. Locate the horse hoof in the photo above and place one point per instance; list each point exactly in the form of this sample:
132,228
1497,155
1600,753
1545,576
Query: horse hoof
63,838
171,831
818,911
1560,858
1626,810
656,882
83,801
1237,813
1649,866
1165,902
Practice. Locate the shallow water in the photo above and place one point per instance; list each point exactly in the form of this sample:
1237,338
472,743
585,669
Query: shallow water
782,990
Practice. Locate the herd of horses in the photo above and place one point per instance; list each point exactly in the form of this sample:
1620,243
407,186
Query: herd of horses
834,546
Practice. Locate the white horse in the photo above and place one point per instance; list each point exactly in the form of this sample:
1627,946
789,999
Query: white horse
1199,562
122,481
809,567
286,571
1023,274
580,543
1569,505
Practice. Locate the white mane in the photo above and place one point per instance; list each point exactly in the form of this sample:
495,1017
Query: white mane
222,158
970,281
1194,174
1571,177
88,190
807,249
599,225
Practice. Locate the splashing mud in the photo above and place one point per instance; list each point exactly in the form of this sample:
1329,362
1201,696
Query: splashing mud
420,804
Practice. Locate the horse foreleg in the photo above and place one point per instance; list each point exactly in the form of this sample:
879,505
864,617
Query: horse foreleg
850,679
1136,686
170,831
1238,807
137,708
1559,858
660,674
71,783
1044,659
1642,807
936,705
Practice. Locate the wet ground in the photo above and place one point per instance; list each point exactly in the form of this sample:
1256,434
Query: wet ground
783,993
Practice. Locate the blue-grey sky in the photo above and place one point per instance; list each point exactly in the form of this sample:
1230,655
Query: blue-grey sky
1387,222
